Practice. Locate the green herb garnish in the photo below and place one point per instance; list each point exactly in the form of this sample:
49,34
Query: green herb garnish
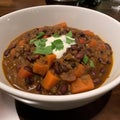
55,35
85,59
92,63
32,41
57,44
40,35
43,50
69,40
40,42
69,34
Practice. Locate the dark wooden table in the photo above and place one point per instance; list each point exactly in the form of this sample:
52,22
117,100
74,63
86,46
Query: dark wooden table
105,108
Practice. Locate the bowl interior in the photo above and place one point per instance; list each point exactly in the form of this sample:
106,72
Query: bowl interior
18,22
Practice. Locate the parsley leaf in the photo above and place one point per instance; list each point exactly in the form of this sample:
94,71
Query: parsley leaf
40,42
37,38
55,35
69,34
32,41
57,44
69,40
40,35
43,50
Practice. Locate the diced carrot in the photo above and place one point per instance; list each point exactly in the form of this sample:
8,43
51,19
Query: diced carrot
50,80
82,84
62,24
12,52
89,33
105,56
92,43
40,68
23,73
45,36
50,59
79,70
21,42
102,46
82,41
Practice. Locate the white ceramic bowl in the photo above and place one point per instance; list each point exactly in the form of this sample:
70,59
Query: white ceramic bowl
15,23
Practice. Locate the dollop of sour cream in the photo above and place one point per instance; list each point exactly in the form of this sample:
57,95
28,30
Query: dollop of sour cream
59,53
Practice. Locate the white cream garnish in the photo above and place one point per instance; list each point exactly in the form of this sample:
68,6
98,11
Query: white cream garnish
59,53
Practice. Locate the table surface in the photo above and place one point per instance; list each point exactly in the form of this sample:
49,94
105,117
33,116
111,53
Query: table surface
106,108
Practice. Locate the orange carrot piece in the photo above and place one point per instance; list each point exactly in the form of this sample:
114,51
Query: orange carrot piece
82,41
79,70
82,84
45,36
101,46
22,73
40,68
50,59
92,43
89,33
62,24
21,43
50,80
12,52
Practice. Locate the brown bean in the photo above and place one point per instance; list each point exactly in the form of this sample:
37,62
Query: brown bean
38,87
63,88
6,53
79,55
59,68
28,68
74,47
97,81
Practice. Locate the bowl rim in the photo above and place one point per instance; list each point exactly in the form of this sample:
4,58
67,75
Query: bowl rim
59,98
56,6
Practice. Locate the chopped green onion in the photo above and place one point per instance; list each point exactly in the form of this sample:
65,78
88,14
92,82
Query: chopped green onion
92,63
85,59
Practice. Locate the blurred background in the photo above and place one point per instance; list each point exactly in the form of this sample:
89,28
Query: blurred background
109,7
85,3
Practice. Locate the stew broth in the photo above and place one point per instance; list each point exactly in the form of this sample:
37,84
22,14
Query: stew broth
57,60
